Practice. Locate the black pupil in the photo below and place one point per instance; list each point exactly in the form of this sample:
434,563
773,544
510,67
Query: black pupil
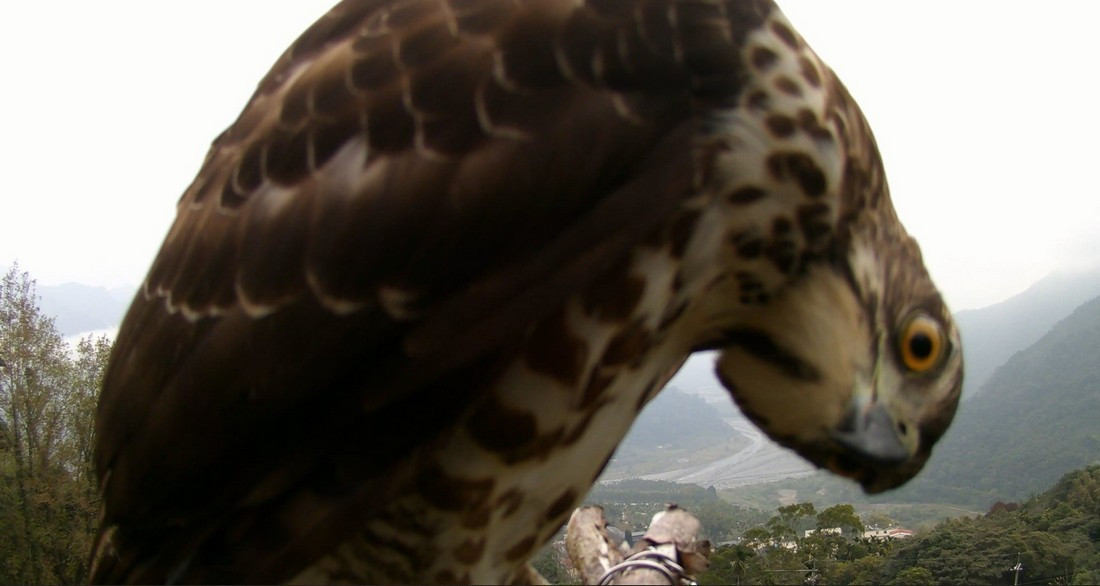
920,346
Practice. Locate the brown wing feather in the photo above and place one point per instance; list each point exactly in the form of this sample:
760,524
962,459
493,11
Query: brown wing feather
409,175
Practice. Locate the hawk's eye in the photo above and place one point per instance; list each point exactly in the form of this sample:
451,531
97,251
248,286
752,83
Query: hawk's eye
921,343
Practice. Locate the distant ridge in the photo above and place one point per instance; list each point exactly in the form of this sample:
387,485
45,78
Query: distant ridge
991,335
78,308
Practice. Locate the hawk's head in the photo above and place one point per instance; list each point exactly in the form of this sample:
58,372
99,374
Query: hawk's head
857,366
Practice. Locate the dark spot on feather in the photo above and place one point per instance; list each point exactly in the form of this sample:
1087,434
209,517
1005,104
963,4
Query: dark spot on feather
554,350
800,167
400,548
814,221
521,549
746,195
758,100
749,285
781,226
749,249
780,126
809,72
600,380
678,281
469,551
627,346
613,298
499,428
452,494
807,121
763,58
788,86
561,505
681,230
784,255
709,151
476,518
541,447
509,502
786,35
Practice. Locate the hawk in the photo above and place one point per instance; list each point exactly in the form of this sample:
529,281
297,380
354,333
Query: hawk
420,288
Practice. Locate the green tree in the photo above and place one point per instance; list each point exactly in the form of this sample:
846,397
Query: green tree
729,565
877,519
865,570
549,563
790,522
842,516
914,576
47,404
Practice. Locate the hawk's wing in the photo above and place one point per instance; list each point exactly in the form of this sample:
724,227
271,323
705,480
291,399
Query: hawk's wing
409,189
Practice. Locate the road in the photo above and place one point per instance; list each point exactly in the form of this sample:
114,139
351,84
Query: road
760,461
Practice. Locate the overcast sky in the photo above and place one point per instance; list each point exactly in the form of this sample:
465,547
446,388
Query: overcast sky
986,113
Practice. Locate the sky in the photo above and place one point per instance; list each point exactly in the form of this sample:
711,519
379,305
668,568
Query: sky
985,112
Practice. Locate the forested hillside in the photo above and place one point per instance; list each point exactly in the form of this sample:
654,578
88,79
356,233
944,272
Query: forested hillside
1055,537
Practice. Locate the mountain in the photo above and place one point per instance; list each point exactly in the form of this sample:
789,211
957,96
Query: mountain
991,335
80,308
675,430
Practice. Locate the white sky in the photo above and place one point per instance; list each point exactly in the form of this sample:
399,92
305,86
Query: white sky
987,114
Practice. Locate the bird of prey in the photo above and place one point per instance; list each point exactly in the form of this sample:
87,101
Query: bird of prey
420,288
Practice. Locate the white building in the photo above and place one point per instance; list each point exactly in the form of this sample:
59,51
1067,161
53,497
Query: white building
895,533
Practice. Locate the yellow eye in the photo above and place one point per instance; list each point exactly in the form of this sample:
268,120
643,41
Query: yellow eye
921,343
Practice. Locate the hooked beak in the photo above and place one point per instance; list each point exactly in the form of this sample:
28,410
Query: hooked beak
869,435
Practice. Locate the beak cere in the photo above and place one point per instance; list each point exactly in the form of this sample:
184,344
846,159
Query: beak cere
870,438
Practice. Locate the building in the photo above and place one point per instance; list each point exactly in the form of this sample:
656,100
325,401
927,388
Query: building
895,533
